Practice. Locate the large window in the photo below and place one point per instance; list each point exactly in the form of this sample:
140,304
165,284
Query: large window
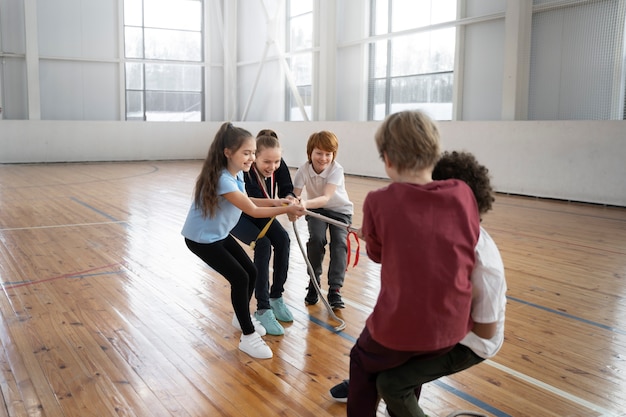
163,48
299,95
412,66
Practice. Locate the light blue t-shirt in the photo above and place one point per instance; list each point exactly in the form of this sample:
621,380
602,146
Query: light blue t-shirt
202,229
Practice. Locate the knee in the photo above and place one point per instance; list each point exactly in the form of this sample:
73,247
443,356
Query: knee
390,390
262,247
282,249
317,239
382,385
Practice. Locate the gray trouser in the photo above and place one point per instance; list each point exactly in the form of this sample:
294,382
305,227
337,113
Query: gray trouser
316,246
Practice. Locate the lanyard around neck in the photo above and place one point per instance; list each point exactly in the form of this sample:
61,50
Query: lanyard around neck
263,185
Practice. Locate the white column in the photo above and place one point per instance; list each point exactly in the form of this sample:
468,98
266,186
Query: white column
517,28
327,69
32,60
230,59
121,56
459,64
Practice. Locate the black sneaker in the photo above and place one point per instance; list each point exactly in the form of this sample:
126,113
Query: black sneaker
334,299
340,392
311,296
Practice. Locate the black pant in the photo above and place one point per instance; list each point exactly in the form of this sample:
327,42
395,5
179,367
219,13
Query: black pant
228,258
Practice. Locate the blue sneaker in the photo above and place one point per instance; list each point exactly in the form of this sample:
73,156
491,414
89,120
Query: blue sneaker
268,320
280,310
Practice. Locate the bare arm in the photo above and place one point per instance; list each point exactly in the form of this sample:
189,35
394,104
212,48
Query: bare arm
272,202
485,330
243,203
321,201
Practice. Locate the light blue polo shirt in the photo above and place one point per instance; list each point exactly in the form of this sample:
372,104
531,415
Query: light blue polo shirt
202,229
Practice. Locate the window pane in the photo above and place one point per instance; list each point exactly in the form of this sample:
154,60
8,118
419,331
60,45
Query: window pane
416,70
442,11
173,14
301,32
171,106
432,93
443,44
164,30
173,45
302,69
380,59
166,77
134,105
134,76
423,53
298,7
133,43
381,17
409,14
133,15
380,99
295,113
409,54
435,88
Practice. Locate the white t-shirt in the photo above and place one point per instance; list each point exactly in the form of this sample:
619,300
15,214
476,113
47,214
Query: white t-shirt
488,296
314,183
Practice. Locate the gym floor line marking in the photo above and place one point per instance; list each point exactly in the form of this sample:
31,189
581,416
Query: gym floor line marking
90,207
363,308
474,401
112,219
79,274
569,316
550,388
90,181
9,229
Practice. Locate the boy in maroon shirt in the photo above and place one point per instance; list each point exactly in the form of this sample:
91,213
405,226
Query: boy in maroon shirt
423,233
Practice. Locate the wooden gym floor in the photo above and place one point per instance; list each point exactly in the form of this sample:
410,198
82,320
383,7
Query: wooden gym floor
104,311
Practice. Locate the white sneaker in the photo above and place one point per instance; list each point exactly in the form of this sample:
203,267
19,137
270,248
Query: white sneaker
253,345
258,327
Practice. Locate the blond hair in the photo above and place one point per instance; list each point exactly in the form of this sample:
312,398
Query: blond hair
410,139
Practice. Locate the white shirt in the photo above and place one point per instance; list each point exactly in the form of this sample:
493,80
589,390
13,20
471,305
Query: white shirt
314,183
488,296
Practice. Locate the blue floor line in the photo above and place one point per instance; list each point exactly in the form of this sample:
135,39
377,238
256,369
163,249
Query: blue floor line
100,212
569,316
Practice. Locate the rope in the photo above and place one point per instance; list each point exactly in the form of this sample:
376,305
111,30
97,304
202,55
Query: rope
262,232
351,232
342,324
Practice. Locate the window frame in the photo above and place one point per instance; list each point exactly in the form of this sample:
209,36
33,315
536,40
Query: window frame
177,95
388,79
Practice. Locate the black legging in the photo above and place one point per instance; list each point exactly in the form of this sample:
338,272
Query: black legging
228,258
